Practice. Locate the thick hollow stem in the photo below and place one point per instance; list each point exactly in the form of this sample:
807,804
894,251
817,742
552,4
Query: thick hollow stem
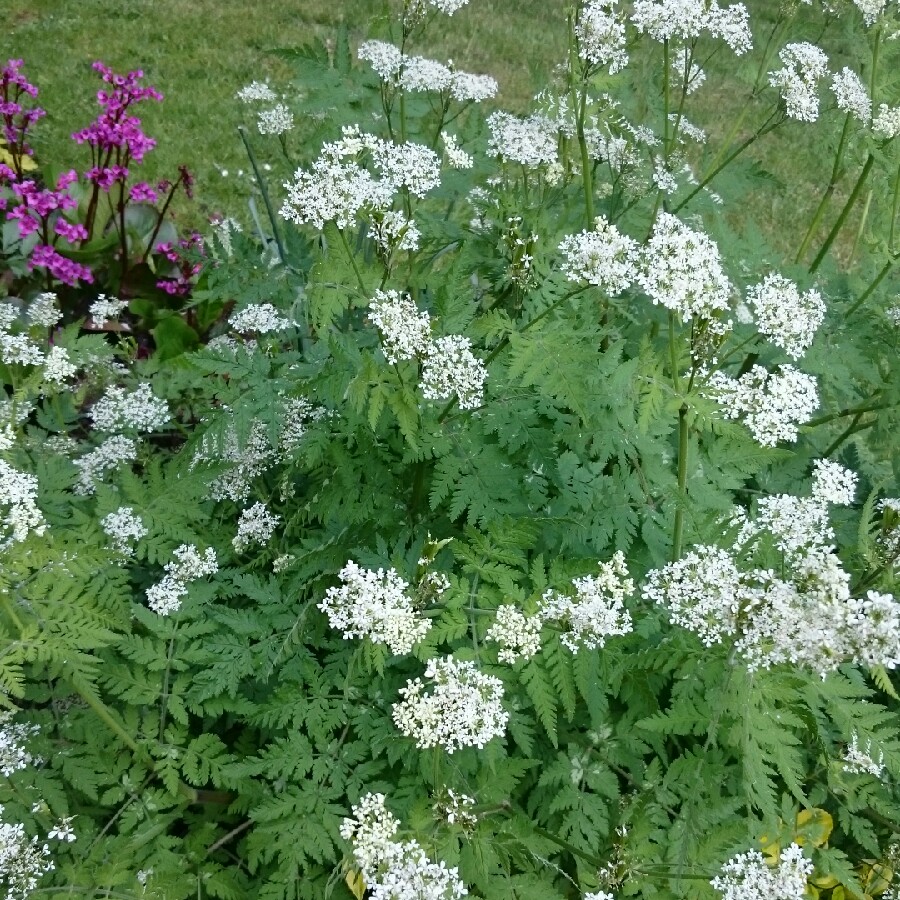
265,194
678,528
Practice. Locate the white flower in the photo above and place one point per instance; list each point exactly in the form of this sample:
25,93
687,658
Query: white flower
13,739
518,634
772,405
392,231
18,492
469,88
599,895
597,610
530,142
450,368
601,36
887,123
832,483
261,318
686,19
385,58
44,310
374,604
747,876
603,257
256,91
276,121
22,861
125,528
464,708
63,831
247,459
872,625
165,597
57,367
140,410
804,65
255,526
681,270
420,74
106,309
787,317
861,762
111,454
405,331
870,9
456,156
851,95
19,349
695,75
455,809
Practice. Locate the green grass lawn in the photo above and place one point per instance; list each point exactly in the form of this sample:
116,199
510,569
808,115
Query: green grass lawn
200,53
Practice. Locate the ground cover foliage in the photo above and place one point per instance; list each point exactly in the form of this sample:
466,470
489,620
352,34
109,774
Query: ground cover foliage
503,514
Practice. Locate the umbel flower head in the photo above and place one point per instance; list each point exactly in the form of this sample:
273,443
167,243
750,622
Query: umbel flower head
747,876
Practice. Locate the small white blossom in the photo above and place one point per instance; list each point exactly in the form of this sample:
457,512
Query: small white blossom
748,876
57,367
23,862
851,95
13,740
456,156
262,318
117,410
44,310
686,19
94,466
693,77
832,483
887,123
599,895
385,58
601,36
374,604
420,74
18,493
787,317
393,232
464,708
772,405
106,309
125,528
518,634
530,142
469,88
597,611
455,809
451,369
188,565
19,349
255,526
870,9
246,460
277,120
256,91
604,257
63,831
804,66
405,331
861,762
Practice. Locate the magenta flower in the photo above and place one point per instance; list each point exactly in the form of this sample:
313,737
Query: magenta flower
65,270
142,193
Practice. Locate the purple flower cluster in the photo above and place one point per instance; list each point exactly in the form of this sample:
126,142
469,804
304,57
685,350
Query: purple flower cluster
17,118
179,254
115,136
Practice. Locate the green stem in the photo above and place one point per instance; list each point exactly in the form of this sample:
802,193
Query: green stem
859,231
666,101
826,196
575,851
868,406
678,528
842,218
105,715
265,193
871,288
853,428
352,259
586,172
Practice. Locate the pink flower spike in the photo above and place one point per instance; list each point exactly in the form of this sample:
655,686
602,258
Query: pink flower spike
72,232
142,193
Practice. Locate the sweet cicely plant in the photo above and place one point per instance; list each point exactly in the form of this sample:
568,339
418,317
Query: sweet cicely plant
525,525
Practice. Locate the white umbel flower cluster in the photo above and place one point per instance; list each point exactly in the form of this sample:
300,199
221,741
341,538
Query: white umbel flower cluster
18,496
277,120
140,410
338,188
772,405
747,876
692,78
99,462
125,528
374,604
870,9
395,870
58,369
664,20
189,565
16,348
44,310
256,92
804,66
449,368
601,36
862,762
463,709
23,862
852,95
788,318
456,156
604,257
106,309
519,635
14,755
597,610
887,123
681,269
260,318
255,526
530,142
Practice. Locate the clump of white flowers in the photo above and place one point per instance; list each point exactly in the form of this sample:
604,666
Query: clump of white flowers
519,635
125,528
530,142
256,92
106,309
391,869
16,348
604,257
833,483
94,466
463,709
44,310
664,20
747,876
601,36
788,318
804,65
255,526
455,809
449,368
375,604
14,755
188,565
862,762
887,123
456,156
277,120
57,367
261,318
597,611
771,404
18,493
141,410
870,9
23,862
851,95
681,269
